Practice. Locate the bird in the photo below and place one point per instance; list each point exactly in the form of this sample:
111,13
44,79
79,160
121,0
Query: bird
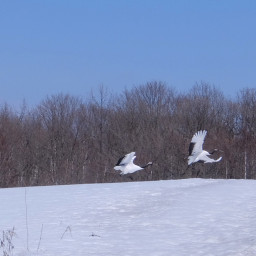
196,152
125,164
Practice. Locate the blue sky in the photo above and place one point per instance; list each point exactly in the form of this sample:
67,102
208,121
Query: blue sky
60,46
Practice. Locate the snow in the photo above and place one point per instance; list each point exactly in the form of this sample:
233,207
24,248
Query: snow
174,217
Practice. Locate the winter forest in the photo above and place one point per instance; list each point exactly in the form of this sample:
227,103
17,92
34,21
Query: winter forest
70,140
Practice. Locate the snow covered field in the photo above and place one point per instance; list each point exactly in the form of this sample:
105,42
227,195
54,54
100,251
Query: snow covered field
175,217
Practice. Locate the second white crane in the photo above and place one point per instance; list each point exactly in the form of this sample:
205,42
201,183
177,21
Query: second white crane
196,152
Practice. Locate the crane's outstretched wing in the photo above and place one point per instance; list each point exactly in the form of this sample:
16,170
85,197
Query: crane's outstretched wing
196,144
126,159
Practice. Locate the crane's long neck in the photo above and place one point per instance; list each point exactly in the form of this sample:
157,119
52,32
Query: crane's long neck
214,151
148,164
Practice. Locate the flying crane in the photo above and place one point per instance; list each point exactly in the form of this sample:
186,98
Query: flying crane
196,152
125,164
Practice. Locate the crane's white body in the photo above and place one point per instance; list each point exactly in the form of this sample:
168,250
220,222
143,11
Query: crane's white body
125,164
196,152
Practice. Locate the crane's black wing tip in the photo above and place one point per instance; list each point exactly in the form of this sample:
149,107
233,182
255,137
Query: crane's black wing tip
191,147
120,160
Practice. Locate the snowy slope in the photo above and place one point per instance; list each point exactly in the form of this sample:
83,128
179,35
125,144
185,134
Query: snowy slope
181,217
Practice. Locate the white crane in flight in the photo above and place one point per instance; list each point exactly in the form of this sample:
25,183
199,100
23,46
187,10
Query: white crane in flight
125,164
196,152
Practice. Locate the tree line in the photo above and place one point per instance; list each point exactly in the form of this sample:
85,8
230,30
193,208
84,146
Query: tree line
68,140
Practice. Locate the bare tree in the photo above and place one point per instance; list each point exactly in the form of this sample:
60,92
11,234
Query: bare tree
58,117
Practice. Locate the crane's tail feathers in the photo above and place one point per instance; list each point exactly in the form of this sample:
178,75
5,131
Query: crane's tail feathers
117,168
190,160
